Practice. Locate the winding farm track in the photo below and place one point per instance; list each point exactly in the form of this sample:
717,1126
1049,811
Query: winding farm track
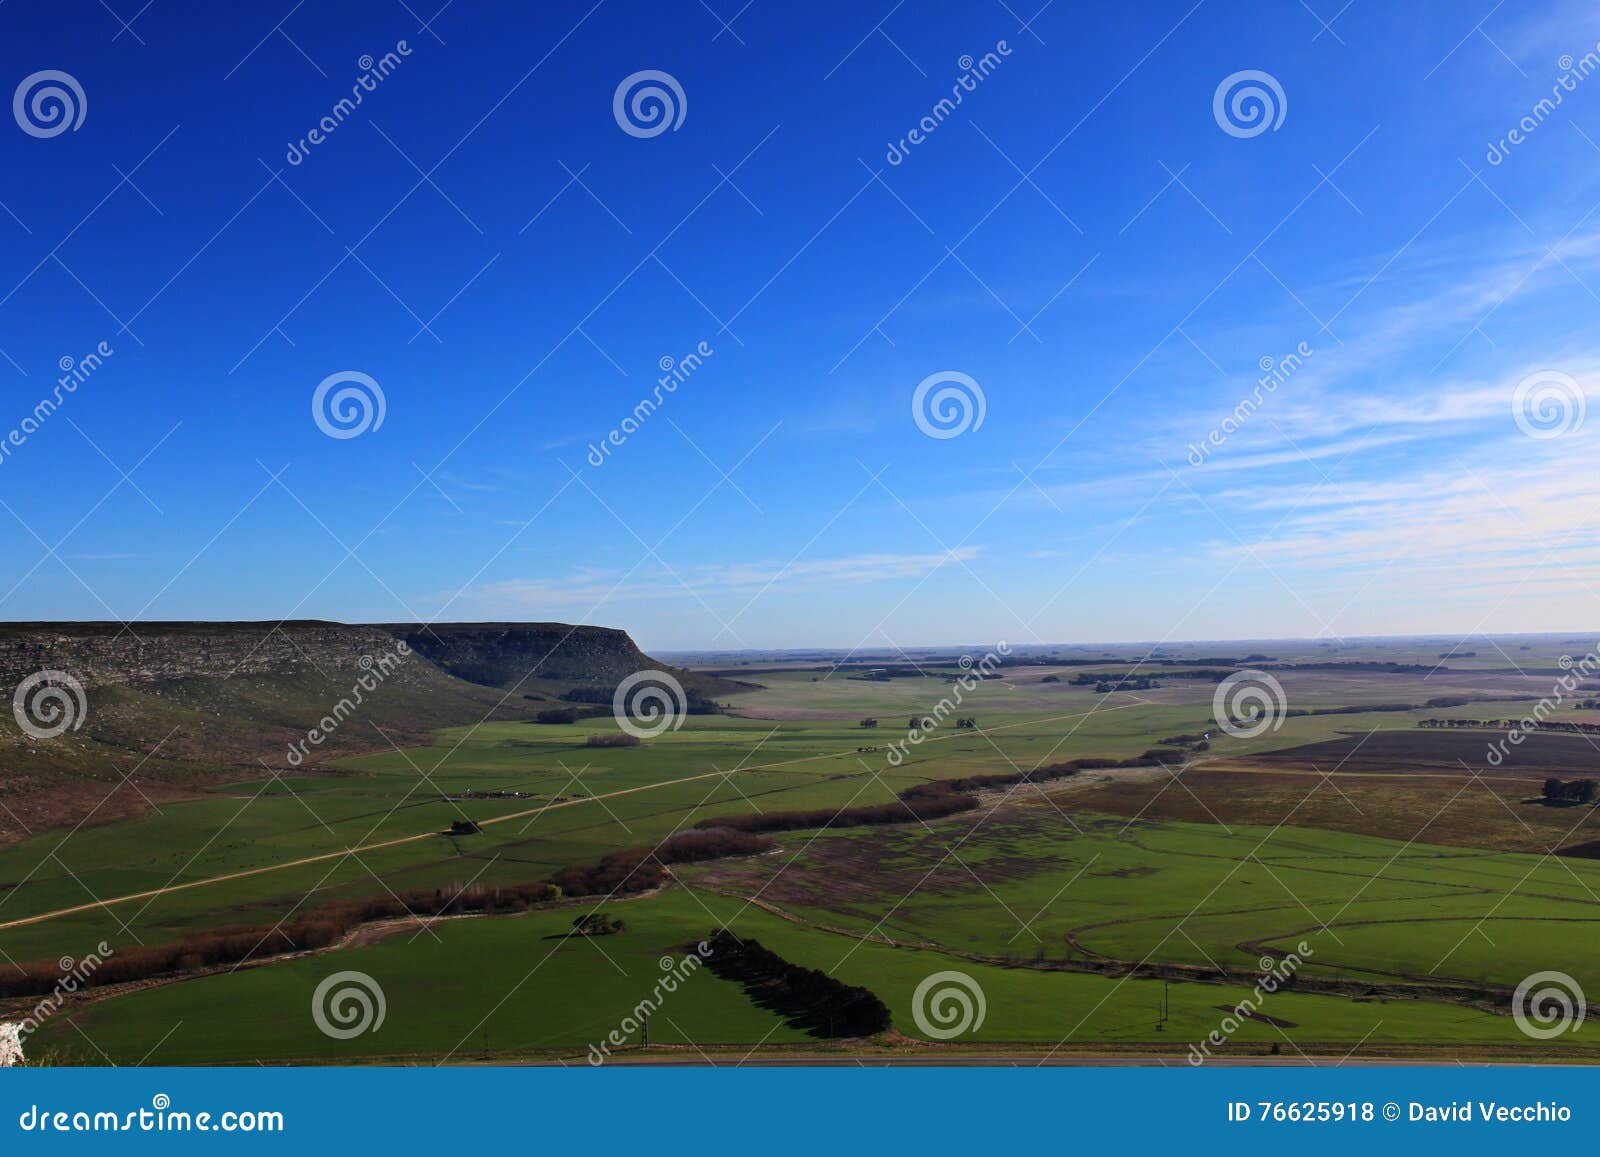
399,841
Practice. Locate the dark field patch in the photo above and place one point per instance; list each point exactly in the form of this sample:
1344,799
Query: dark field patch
1497,812
1249,1014
1429,749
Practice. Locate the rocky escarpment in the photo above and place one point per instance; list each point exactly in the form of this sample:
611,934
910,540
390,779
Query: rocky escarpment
190,703
147,653
513,654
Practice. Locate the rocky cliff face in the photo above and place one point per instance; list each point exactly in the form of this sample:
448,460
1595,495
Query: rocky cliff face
102,654
146,653
510,654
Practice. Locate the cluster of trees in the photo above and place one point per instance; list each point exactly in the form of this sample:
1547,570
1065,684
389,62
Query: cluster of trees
1568,725
612,739
237,944
640,869
694,702
1572,791
1138,683
1084,678
598,924
810,999
869,722
925,801
908,809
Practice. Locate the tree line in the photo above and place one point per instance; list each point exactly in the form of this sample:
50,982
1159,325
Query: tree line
808,998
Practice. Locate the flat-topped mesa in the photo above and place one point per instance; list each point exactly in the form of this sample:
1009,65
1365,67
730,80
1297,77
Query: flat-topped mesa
147,653
507,654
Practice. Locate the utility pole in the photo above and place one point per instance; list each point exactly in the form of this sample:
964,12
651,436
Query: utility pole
644,1030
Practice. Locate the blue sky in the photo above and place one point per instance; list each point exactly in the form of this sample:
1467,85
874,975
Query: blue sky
1080,237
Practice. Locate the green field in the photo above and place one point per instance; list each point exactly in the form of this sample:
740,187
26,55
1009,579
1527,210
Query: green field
1046,904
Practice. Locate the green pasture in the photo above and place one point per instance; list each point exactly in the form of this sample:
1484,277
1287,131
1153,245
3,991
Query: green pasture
508,986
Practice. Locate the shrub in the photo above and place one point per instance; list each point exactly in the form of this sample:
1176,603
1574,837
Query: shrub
612,739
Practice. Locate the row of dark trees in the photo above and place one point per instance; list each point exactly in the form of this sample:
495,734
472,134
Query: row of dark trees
925,801
1571,726
808,998
641,869
237,944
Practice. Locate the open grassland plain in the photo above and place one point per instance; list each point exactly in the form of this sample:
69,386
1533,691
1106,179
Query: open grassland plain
1121,908
522,987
